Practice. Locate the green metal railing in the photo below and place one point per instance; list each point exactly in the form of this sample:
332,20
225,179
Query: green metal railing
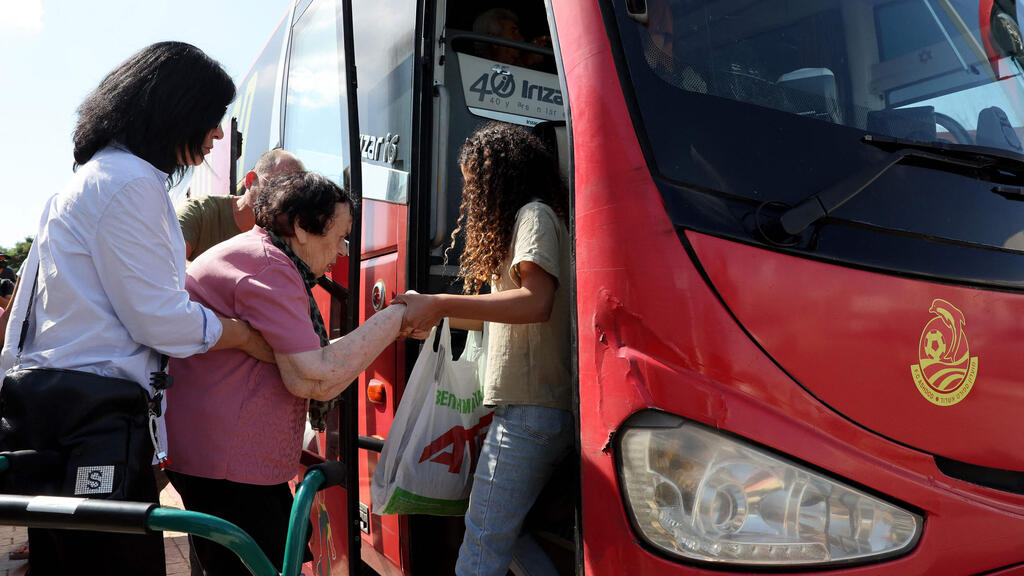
138,517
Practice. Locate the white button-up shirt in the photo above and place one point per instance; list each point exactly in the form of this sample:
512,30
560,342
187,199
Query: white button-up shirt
111,296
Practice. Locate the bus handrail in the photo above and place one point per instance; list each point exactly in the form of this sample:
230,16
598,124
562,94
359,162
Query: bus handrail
441,167
452,35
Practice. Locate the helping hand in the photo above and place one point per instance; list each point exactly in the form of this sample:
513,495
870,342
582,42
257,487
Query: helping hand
421,314
257,347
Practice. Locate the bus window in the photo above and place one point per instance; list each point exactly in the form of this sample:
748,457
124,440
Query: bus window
316,92
384,49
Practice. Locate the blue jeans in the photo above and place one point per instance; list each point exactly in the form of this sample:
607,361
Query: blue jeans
523,445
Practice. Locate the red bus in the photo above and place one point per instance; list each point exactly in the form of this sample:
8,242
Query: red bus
798,267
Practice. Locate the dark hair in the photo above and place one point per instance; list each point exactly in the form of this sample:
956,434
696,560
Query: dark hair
163,99
305,198
6,288
507,167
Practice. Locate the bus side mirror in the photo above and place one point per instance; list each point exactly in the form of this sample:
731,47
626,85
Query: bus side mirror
1002,38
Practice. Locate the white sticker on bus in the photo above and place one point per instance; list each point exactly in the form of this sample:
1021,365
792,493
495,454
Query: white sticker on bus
510,93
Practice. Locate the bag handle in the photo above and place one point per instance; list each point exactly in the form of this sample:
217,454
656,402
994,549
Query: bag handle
442,347
437,334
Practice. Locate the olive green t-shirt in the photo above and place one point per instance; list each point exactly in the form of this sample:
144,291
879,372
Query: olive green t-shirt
206,221
529,363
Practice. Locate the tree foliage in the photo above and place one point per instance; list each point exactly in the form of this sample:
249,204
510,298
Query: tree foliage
17,255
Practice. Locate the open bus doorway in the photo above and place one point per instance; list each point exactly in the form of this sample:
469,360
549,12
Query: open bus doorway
493,62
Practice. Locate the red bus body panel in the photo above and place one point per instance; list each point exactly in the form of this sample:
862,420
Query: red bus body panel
653,334
852,338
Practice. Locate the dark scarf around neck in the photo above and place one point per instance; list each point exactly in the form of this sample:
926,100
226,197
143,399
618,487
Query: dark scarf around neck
318,410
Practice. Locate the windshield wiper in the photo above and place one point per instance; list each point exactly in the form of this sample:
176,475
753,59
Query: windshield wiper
992,164
1005,160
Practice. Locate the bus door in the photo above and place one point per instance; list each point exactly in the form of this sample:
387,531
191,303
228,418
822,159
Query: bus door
369,146
318,105
472,79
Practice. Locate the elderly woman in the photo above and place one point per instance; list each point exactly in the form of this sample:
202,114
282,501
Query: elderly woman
235,424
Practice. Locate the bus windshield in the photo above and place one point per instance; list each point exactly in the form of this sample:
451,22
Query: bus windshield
917,69
769,101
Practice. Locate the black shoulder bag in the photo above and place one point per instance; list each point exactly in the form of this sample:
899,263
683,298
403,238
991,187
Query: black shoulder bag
91,432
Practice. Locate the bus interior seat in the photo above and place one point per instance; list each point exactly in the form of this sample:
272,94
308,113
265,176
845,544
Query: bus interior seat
995,130
813,93
914,123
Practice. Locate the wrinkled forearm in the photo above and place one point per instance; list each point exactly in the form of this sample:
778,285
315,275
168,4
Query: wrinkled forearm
323,374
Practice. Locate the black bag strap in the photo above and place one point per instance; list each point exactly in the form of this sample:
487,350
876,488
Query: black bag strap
159,380
160,383
28,312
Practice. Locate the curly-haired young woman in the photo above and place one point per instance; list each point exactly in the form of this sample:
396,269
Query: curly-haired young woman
513,218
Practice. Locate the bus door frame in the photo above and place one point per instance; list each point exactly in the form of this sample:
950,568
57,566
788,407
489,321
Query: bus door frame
350,398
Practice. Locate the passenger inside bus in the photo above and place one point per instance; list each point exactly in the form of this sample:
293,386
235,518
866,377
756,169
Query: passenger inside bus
504,23
516,22
659,51
892,68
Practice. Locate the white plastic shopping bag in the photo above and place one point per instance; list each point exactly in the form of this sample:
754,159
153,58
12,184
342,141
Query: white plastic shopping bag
427,463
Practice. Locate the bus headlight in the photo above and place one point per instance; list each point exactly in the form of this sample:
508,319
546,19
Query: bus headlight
704,496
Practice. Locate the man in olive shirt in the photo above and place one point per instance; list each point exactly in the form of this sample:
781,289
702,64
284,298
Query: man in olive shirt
212,219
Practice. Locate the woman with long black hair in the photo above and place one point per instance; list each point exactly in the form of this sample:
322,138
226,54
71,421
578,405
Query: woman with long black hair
103,292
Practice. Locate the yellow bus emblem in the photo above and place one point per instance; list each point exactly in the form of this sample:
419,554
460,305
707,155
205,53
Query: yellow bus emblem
945,371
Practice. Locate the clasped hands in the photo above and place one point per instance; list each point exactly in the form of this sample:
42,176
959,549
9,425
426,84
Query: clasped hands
422,312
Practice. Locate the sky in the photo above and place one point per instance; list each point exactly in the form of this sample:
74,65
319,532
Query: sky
54,52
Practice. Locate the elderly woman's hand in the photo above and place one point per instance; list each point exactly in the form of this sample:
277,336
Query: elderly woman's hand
422,312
